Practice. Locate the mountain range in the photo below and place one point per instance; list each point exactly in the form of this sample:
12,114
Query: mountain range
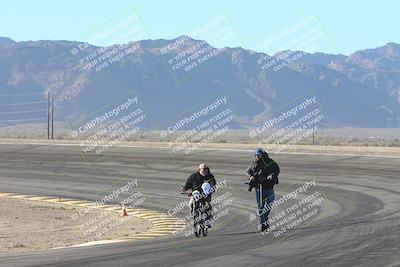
357,90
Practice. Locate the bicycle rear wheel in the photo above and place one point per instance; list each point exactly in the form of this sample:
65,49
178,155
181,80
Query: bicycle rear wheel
198,221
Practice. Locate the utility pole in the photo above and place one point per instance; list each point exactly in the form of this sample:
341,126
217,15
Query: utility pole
313,135
48,115
52,116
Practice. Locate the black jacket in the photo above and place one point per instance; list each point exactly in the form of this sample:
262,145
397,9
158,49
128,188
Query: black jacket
262,169
195,181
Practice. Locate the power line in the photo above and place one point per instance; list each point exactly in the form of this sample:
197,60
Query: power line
27,103
26,106
22,95
20,112
15,125
22,120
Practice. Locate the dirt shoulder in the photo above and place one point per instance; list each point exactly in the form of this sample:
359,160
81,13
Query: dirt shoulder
33,225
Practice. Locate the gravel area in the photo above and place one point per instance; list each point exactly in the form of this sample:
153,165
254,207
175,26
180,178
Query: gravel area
34,225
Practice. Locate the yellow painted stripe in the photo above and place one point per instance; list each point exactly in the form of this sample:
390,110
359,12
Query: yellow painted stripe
162,231
54,200
150,217
175,227
112,209
153,214
65,199
160,227
171,227
174,224
159,224
101,206
139,237
174,220
141,210
99,242
84,204
170,222
131,211
23,196
36,198
20,196
6,194
73,202
152,234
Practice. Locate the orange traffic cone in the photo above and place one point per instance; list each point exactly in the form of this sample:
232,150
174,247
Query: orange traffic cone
123,211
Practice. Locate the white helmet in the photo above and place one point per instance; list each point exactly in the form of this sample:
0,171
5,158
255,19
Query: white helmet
206,188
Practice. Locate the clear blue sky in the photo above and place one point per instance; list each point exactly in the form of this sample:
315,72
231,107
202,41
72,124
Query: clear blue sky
351,25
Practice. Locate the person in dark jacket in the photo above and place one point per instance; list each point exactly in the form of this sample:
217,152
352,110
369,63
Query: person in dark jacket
263,172
195,182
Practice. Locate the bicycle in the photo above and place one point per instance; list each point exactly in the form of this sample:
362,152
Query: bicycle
198,209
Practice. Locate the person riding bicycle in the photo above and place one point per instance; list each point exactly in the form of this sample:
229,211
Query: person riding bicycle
263,173
204,182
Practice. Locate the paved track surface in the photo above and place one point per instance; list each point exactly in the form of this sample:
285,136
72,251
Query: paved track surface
358,224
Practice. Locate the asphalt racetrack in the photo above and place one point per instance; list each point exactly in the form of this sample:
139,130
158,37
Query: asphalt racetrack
355,223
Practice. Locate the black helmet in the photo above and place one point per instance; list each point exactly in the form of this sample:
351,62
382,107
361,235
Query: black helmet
259,152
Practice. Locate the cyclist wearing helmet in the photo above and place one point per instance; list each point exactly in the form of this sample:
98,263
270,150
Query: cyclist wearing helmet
203,181
263,172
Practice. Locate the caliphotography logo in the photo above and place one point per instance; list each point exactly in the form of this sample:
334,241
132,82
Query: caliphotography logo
199,45
290,41
205,123
96,55
294,123
106,129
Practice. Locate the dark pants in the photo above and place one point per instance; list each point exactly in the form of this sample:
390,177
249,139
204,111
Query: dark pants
264,205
